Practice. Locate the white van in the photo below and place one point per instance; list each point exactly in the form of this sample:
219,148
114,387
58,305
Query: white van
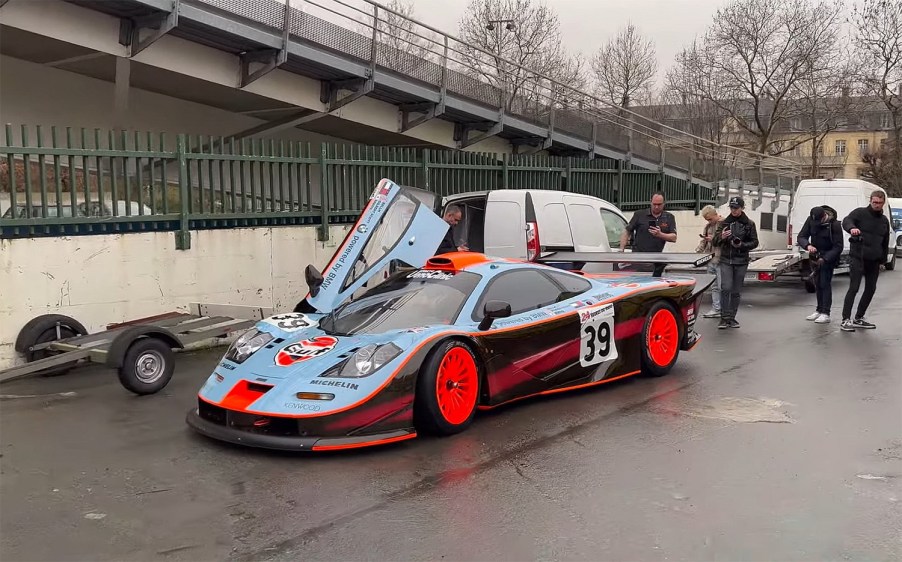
844,196
895,204
521,223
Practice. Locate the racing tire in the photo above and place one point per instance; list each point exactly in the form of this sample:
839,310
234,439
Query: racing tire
42,329
448,388
147,366
661,337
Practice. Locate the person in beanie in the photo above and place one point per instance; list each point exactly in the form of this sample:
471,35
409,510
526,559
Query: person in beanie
736,236
870,230
822,236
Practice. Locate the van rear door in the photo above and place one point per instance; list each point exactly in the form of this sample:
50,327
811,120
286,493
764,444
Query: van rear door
586,225
505,224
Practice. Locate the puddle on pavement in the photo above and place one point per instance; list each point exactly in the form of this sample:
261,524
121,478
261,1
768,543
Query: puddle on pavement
740,410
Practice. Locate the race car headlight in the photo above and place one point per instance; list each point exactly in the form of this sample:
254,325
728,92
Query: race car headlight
247,345
366,361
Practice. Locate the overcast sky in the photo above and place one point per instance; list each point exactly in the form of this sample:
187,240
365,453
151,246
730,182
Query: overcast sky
587,24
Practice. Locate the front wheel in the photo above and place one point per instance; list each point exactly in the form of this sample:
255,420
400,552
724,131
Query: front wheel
147,366
447,390
660,340
891,264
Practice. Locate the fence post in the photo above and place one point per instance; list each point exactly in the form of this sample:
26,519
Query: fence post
427,185
183,235
323,231
618,189
568,175
505,162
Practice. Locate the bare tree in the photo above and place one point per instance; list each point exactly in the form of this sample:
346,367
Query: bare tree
625,68
531,39
756,52
877,41
689,107
404,45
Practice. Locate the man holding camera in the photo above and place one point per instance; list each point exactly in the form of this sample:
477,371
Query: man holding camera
870,230
822,236
736,236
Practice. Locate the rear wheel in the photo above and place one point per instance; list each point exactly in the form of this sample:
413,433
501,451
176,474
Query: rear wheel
891,264
447,390
660,340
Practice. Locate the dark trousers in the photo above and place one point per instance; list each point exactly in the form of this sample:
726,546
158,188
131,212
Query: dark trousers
869,269
824,291
732,279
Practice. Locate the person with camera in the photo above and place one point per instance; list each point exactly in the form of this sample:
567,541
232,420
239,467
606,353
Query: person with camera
650,230
822,236
706,246
736,236
870,230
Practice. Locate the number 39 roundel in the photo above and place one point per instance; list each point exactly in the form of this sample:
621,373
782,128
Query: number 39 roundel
596,335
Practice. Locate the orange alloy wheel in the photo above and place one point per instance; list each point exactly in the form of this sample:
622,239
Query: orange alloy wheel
457,385
663,338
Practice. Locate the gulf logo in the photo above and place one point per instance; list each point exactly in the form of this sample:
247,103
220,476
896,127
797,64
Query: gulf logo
304,350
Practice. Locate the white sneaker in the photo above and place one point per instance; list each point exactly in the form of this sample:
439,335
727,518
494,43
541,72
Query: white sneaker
711,314
813,316
823,319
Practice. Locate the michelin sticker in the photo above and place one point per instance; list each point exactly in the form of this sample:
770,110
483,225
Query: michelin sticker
596,335
291,322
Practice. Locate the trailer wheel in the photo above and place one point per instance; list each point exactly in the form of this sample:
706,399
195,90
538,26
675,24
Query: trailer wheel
43,329
147,366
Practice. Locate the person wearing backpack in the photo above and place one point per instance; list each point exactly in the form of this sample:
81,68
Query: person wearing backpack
822,236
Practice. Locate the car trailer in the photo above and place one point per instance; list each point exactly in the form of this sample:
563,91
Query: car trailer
142,351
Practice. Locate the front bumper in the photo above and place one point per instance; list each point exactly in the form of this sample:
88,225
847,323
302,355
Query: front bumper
223,432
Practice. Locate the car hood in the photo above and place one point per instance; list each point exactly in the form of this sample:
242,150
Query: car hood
269,381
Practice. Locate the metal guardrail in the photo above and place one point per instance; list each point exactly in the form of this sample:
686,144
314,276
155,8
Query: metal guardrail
81,182
371,33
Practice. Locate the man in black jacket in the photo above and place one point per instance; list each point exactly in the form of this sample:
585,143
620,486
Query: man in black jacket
736,235
868,245
822,236
452,216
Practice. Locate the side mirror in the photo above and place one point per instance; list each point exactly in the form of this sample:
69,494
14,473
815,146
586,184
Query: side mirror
314,279
493,310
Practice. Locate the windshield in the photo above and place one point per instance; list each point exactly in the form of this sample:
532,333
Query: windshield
408,299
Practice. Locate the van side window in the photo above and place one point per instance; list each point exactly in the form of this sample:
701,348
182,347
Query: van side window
614,226
524,290
782,221
767,221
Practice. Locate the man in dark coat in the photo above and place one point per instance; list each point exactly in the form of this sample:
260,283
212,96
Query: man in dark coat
870,230
822,236
736,235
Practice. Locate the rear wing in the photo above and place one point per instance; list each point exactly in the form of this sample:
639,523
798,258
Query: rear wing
665,258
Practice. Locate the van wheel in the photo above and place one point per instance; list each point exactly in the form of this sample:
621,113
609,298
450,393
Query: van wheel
891,264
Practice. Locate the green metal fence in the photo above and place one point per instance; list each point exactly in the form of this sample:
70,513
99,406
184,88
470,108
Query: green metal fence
91,182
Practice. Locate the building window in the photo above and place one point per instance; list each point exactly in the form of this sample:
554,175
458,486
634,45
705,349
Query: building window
840,148
862,146
885,121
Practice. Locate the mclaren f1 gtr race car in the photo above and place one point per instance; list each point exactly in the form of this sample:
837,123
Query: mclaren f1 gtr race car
392,340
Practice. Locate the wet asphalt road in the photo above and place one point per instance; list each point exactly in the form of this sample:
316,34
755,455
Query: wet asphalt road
778,441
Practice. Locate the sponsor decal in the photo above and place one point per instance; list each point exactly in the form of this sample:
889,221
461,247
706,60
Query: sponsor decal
418,329
226,366
427,274
300,406
381,192
596,335
291,322
625,285
362,229
339,384
304,350
604,296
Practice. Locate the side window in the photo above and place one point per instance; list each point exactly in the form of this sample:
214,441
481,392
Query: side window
587,229
781,223
614,226
767,221
525,290
572,284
